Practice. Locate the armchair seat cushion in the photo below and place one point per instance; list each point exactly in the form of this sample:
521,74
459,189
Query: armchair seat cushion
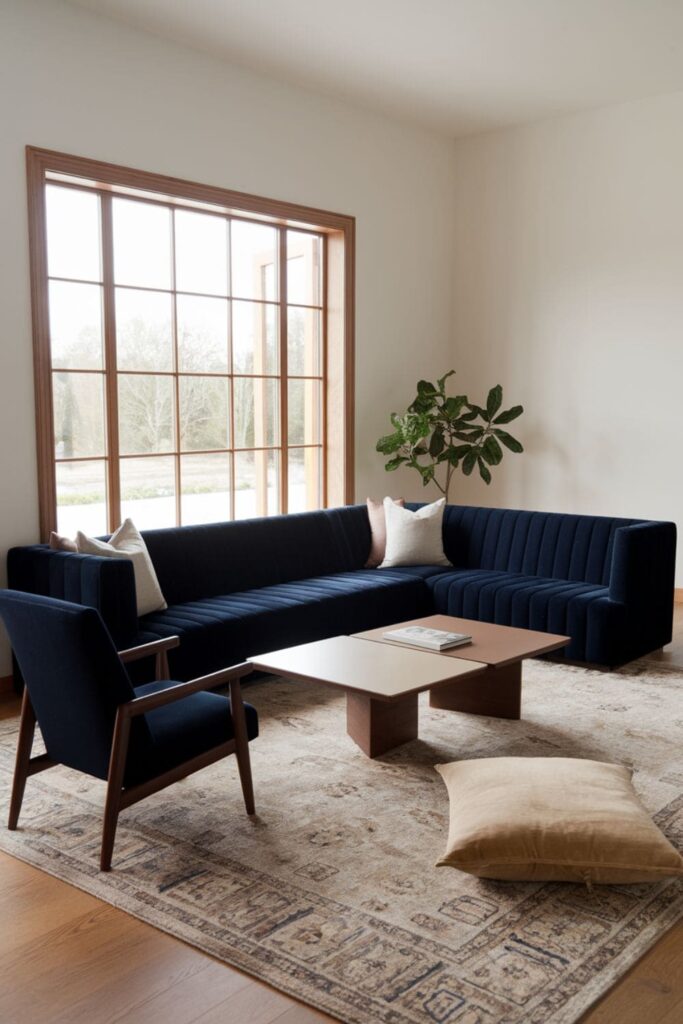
181,730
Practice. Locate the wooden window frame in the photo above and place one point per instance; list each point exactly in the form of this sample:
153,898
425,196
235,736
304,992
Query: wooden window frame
338,364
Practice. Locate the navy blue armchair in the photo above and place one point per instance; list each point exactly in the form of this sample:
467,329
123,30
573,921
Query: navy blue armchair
139,739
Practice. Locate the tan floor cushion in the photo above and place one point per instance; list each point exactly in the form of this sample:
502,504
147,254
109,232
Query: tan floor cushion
552,819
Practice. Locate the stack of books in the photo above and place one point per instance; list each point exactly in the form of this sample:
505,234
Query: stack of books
432,639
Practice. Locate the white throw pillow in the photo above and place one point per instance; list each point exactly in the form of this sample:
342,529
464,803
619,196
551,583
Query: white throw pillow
126,542
414,538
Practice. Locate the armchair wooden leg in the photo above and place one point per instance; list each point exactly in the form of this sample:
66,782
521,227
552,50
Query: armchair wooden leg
27,730
117,767
239,722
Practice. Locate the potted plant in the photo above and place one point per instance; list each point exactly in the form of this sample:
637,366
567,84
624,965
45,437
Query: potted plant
440,433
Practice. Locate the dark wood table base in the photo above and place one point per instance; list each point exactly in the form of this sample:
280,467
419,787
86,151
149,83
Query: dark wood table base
379,725
496,692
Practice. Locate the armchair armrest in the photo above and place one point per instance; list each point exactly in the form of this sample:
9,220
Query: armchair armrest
145,650
232,675
157,647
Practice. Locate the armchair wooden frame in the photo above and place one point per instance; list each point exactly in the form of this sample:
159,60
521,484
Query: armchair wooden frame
118,796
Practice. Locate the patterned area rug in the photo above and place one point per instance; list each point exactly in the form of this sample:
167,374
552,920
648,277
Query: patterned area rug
330,893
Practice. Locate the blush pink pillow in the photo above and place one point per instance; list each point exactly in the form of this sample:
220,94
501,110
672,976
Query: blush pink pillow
378,529
59,543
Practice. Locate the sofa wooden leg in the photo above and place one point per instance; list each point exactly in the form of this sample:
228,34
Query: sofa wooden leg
239,722
27,728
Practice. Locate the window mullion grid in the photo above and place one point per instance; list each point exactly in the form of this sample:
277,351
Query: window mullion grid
110,363
284,437
176,376
323,369
231,371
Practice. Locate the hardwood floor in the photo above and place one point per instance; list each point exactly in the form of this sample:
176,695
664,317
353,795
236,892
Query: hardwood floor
67,958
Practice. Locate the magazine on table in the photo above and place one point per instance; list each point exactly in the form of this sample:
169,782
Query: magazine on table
433,639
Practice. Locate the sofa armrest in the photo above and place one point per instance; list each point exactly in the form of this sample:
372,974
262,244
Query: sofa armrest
642,575
107,584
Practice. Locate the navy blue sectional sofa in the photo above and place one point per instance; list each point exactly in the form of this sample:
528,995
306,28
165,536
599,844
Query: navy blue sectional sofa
243,588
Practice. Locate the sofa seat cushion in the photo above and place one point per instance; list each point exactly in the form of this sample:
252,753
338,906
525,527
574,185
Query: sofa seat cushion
220,631
531,602
182,730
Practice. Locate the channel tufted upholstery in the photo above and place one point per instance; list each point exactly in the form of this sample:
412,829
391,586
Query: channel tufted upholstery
240,589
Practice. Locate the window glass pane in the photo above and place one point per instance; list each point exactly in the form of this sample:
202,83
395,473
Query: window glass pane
204,413
304,411
304,341
254,338
81,498
205,488
78,402
76,325
254,260
202,334
142,244
148,492
256,412
145,414
73,234
144,337
201,251
304,268
257,486
304,479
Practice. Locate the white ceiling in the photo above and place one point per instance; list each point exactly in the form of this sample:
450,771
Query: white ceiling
460,66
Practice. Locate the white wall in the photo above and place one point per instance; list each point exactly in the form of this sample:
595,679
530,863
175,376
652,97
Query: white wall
80,84
568,290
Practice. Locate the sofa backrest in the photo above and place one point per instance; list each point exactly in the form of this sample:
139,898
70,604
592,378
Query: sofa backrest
222,558
549,544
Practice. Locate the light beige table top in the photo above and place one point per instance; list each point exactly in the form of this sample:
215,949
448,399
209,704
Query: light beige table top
383,671
491,644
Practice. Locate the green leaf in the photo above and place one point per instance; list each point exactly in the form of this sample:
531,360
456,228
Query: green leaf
420,450
477,410
484,471
436,444
389,444
426,472
442,380
468,433
492,451
469,462
494,401
426,389
394,463
509,441
452,407
457,452
471,415
510,414
422,404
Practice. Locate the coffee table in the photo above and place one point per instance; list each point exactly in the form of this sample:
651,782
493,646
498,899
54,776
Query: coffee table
382,683
500,649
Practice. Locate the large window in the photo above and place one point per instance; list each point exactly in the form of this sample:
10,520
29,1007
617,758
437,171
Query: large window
193,350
